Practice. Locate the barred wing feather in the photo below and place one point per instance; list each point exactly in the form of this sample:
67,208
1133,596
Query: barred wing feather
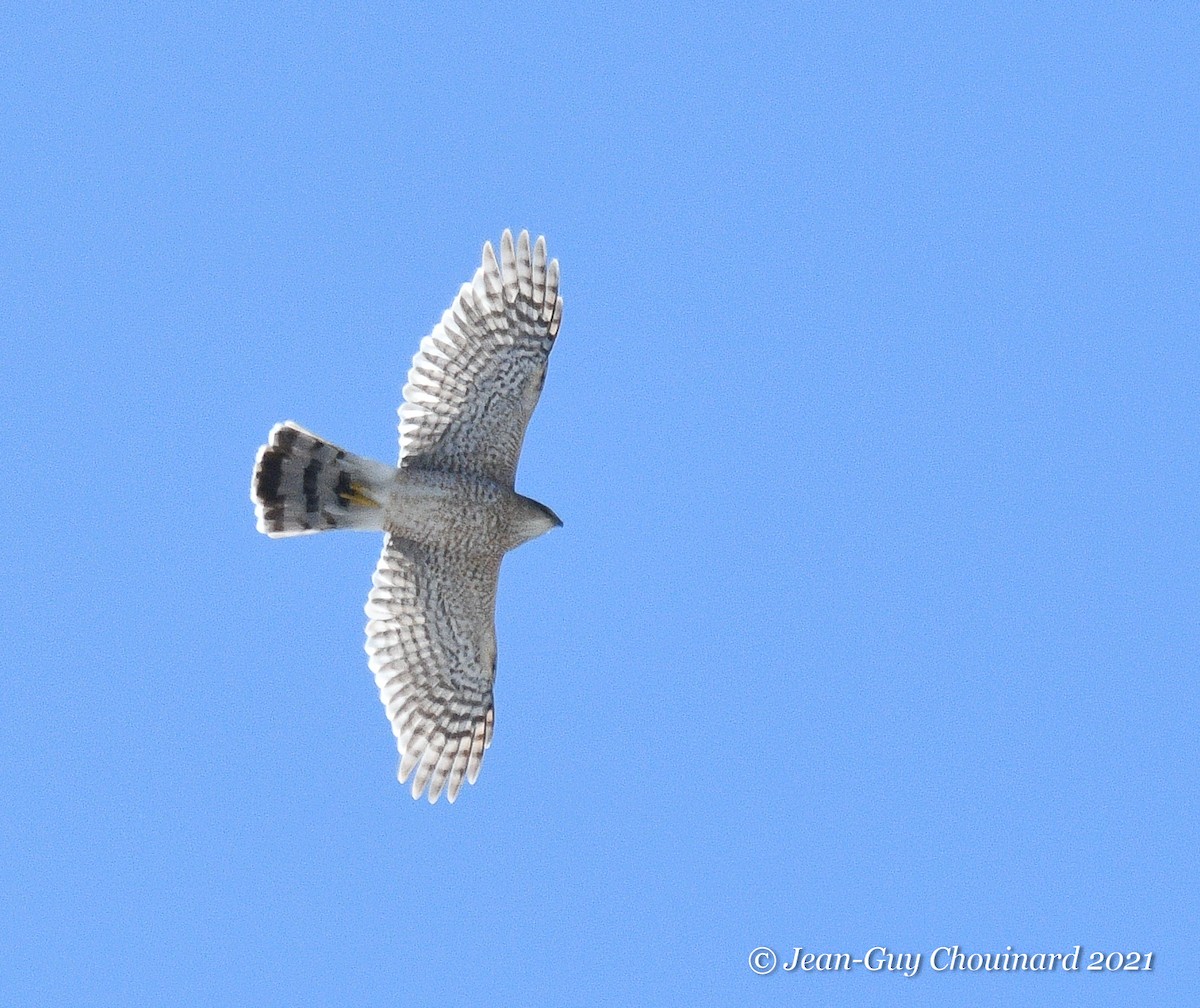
477,377
431,643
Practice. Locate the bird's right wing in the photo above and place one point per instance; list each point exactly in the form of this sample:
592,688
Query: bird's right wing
432,644
477,377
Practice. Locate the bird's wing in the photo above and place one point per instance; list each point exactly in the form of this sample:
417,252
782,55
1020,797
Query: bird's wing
476,378
431,639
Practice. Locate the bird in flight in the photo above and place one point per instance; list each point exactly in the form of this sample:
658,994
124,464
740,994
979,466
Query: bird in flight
448,510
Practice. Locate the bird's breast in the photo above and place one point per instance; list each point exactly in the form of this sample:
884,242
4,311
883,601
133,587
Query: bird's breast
447,510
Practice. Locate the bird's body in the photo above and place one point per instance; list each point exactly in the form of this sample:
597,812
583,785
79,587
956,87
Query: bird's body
449,510
462,513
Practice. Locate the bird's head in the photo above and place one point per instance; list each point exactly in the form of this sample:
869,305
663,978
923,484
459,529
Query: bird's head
532,520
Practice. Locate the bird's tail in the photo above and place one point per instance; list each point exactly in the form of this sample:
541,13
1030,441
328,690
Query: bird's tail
302,485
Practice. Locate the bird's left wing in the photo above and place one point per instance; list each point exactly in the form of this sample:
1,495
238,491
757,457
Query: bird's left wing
432,644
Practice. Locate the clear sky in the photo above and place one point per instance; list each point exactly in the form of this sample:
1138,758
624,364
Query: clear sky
873,422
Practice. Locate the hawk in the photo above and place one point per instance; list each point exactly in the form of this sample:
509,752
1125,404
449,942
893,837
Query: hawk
448,511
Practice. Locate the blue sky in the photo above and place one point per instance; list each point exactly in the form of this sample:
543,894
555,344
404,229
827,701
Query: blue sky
872,421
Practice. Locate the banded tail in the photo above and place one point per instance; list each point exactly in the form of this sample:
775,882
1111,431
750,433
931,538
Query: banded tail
303,485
